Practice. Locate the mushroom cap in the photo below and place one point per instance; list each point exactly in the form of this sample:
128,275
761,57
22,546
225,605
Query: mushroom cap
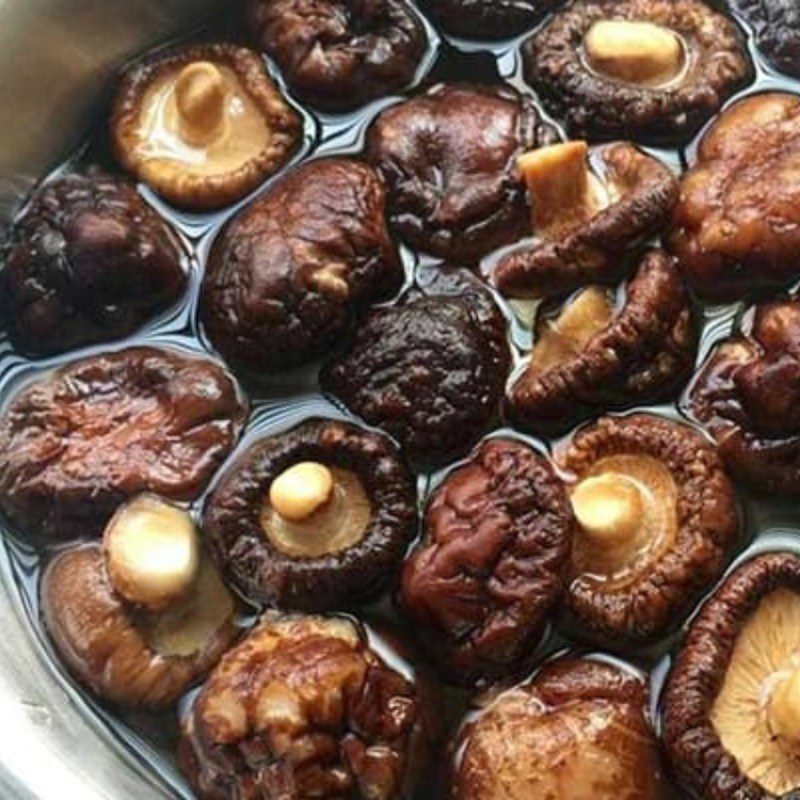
736,228
594,356
637,592
748,397
304,705
288,272
487,19
599,106
641,194
341,53
490,568
87,260
715,727
78,440
777,26
261,130
429,370
118,654
448,158
265,567
578,731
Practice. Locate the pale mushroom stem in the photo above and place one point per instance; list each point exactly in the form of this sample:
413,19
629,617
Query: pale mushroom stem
608,508
784,709
200,94
301,490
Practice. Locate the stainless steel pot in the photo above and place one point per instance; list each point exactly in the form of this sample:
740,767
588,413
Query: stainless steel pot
56,60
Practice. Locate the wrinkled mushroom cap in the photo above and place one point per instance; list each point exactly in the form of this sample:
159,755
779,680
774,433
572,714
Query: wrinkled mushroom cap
487,19
203,125
777,26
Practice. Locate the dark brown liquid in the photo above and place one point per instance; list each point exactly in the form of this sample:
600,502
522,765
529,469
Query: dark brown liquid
288,398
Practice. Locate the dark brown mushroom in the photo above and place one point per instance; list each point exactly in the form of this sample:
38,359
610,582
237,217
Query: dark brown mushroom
777,26
305,708
87,260
588,217
595,355
139,620
315,518
203,125
736,228
487,19
287,274
652,70
656,521
339,54
491,566
748,397
79,440
580,730
732,701
429,370
448,158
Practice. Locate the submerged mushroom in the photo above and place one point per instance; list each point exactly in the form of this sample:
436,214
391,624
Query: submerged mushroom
87,260
748,397
480,586
732,703
646,69
487,19
448,158
139,619
314,518
579,730
203,125
736,227
339,54
78,441
594,355
429,370
286,276
305,708
588,216
656,520
777,26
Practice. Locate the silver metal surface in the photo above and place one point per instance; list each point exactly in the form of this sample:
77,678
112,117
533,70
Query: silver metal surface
56,60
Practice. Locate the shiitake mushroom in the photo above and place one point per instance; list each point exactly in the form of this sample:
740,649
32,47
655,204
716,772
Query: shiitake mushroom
490,568
202,125
314,518
81,439
656,521
304,708
650,70
731,704
777,26
487,19
86,261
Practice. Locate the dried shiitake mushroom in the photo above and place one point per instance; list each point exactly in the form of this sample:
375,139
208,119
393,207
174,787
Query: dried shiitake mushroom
81,439
487,19
304,708
653,70
87,260
286,276
448,158
656,520
589,214
732,701
736,228
202,125
141,618
314,518
339,54
748,397
578,731
491,565
594,355
429,370
777,26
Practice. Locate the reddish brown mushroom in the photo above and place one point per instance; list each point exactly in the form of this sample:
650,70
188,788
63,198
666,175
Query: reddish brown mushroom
480,586
656,521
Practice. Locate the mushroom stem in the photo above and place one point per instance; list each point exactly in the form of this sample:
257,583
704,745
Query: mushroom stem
200,94
783,711
608,507
301,490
